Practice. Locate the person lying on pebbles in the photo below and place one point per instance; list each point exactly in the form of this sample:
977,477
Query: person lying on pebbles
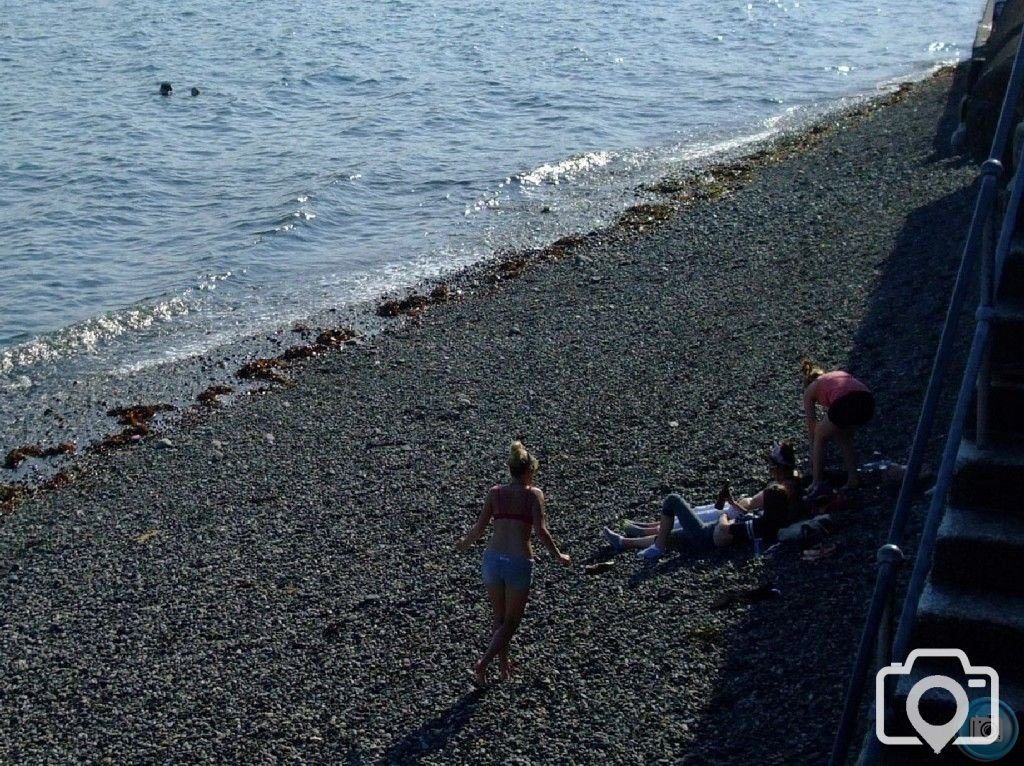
848,404
722,532
678,518
515,510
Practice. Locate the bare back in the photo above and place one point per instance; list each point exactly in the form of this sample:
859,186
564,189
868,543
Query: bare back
515,511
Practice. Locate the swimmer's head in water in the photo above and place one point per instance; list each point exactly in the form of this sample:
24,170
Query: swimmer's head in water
165,89
195,91
521,462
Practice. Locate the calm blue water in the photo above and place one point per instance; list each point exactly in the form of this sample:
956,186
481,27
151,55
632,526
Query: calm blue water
338,149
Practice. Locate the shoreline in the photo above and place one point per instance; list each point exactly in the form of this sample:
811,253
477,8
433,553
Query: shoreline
248,366
278,583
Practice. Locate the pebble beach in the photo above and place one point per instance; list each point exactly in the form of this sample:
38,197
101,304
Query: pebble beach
275,582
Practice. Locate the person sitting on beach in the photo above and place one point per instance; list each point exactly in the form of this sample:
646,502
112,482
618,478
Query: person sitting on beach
515,509
848,404
679,519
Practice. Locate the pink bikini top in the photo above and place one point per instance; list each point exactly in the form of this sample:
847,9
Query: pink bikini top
513,504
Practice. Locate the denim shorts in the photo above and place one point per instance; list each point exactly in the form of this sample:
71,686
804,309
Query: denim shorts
514,572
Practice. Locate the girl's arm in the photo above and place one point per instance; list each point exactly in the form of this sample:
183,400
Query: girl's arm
810,414
744,503
478,529
540,526
750,503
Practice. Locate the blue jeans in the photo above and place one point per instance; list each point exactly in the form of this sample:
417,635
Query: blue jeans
514,572
701,534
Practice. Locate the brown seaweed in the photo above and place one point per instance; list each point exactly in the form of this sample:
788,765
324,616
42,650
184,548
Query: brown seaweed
410,306
209,398
139,413
562,247
129,436
17,456
414,305
336,337
8,495
647,214
263,369
296,353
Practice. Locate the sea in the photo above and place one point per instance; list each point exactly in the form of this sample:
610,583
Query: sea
338,150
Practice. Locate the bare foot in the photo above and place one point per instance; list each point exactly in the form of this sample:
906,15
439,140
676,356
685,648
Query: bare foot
479,676
505,669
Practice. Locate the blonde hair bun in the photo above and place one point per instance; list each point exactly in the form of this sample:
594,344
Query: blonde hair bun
810,371
520,461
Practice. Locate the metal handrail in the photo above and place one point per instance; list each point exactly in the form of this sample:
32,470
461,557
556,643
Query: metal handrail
890,555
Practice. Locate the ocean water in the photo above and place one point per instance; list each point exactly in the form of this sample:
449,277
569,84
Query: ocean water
340,149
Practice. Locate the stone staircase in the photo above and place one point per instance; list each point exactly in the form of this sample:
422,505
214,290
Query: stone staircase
974,596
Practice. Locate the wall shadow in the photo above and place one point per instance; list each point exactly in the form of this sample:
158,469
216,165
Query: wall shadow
785,664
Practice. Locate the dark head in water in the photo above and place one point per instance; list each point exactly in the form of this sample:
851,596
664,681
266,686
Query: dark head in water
165,89
195,91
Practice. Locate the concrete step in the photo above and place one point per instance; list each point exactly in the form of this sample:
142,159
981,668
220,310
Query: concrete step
1011,287
1007,344
980,549
1006,403
1005,410
989,479
988,626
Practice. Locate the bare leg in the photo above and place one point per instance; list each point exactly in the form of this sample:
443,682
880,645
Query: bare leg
641,528
665,531
673,507
659,534
844,437
497,595
515,605
639,542
824,431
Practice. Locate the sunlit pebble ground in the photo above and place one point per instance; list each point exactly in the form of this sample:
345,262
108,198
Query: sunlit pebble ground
291,593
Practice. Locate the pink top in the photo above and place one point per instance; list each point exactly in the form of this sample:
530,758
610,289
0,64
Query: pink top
832,386
514,504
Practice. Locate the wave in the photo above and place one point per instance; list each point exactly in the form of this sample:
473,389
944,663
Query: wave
554,173
89,336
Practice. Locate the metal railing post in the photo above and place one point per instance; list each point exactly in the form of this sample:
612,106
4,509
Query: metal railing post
984,382
888,557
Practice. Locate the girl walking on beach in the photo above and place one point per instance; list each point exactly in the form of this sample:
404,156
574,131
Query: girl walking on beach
516,509
848,404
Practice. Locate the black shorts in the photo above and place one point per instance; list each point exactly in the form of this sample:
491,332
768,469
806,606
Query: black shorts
854,409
